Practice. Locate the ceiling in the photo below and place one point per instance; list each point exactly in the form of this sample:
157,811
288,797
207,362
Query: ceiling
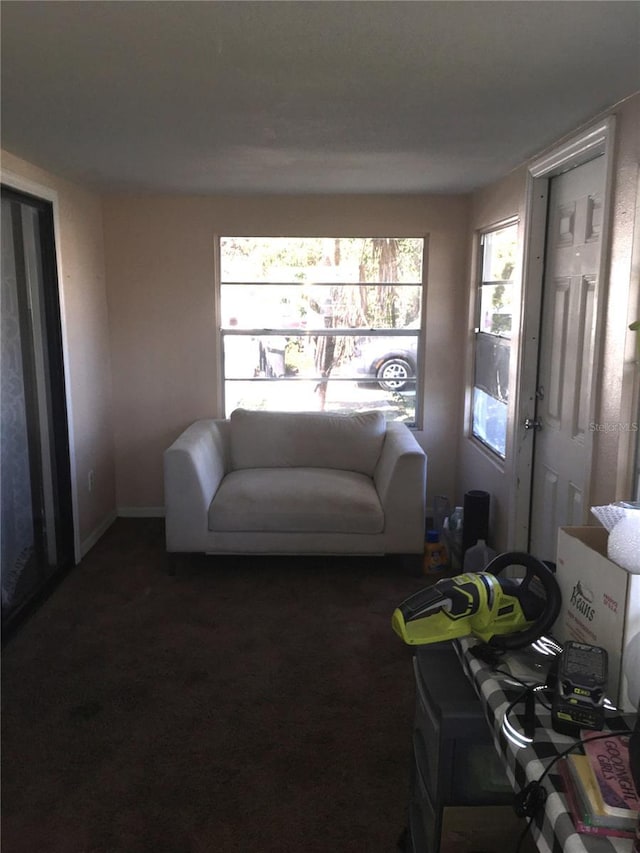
306,97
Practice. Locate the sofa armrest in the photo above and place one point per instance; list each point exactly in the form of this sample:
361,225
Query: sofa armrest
194,466
400,479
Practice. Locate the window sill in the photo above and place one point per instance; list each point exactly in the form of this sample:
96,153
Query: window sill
484,450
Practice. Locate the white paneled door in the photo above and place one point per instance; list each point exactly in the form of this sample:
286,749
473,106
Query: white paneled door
561,459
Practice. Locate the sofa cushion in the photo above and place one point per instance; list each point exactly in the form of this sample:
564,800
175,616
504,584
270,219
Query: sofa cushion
320,500
350,442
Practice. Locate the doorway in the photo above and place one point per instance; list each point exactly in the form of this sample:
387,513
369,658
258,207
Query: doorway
563,300
561,454
37,535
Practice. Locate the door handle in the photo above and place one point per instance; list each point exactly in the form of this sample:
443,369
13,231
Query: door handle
530,423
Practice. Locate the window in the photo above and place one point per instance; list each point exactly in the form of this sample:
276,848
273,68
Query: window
493,337
322,324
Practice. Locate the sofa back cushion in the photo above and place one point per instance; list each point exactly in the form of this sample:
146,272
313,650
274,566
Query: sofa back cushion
350,442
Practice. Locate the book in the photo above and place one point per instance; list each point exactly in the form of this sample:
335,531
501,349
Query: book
575,812
588,798
609,761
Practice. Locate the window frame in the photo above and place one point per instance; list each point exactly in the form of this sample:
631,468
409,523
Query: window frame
222,332
479,283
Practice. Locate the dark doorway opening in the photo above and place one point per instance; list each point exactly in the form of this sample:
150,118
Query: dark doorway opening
37,536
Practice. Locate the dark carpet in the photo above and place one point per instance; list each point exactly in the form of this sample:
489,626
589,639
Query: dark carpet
246,705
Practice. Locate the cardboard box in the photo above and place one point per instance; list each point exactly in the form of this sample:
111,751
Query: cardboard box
600,601
492,829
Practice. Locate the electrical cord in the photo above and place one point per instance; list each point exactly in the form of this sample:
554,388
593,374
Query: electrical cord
525,737
529,693
537,688
487,653
532,798
523,834
513,678
529,801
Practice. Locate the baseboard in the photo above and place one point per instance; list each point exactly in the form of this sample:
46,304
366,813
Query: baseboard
87,544
140,512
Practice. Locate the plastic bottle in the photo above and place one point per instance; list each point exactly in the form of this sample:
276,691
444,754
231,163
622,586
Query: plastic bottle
456,523
478,557
441,512
435,554
456,519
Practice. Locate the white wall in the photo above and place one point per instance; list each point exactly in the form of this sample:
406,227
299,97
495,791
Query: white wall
479,468
160,270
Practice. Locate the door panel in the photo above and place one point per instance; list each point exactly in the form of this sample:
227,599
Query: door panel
562,445
35,500
19,539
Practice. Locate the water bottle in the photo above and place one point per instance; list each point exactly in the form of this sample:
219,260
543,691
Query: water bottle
456,523
441,512
478,557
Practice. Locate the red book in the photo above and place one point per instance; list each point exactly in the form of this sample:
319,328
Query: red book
609,759
572,808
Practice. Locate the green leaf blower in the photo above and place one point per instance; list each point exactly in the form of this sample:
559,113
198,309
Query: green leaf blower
506,613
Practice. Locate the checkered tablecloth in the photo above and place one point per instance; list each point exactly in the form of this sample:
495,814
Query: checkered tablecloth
553,830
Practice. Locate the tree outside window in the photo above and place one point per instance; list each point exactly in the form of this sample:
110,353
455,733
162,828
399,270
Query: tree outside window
321,323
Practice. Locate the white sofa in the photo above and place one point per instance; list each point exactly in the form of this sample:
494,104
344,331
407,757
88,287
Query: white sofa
295,483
